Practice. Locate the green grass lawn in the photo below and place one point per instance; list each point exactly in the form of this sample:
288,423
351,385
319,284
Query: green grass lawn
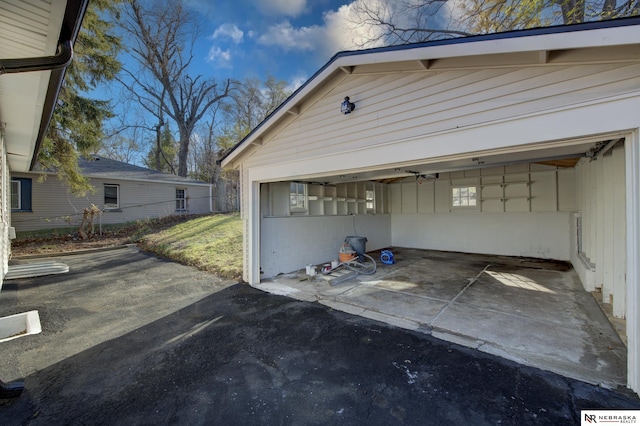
210,243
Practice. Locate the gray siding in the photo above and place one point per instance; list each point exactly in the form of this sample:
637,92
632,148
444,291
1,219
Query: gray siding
53,206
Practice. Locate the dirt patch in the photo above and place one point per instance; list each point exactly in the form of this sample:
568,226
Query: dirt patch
63,245
59,242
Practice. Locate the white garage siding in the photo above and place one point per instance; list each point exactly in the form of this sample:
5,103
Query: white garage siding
290,241
5,218
315,240
522,210
599,230
396,107
53,206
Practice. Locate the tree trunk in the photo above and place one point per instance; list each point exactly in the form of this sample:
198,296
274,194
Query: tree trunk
572,11
183,153
158,145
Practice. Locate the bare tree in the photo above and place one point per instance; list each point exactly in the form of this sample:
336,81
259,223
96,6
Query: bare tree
162,35
405,21
120,148
250,103
410,21
205,152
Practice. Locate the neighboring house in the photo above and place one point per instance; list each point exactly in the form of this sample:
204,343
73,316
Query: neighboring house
523,143
123,193
35,48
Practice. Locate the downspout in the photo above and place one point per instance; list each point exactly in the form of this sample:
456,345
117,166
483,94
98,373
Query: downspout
210,198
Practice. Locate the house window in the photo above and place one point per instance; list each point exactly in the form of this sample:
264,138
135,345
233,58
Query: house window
463,196
21,195
298,197
111,196
181,200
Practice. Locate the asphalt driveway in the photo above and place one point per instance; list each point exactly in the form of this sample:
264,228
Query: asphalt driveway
129,338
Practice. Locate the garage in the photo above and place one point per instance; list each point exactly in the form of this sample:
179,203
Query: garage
519,144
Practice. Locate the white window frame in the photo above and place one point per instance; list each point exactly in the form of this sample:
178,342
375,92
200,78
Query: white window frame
18,193
370,200
298,197
464,195
182,201
111,206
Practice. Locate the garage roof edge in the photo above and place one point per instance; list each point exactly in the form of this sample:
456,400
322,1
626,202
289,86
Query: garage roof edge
343,56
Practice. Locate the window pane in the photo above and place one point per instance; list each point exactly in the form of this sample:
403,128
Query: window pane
111,195
181,202
15,194
297,196
464,196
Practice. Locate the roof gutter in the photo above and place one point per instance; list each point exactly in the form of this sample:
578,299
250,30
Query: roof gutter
57,64
62,59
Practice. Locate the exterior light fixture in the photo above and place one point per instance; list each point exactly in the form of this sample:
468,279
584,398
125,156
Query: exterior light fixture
347,106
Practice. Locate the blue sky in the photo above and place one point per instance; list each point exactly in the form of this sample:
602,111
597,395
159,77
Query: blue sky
288,39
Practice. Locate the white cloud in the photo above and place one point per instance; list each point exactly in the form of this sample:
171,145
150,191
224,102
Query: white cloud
296,82
222,58
287,37
339,31
230,31
290,8
346,32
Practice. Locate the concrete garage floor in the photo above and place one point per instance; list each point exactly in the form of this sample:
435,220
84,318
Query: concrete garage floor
531,311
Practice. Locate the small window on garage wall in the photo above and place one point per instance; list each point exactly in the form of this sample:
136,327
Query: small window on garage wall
20,195
370,197
111,196
298,197
464,196
181,200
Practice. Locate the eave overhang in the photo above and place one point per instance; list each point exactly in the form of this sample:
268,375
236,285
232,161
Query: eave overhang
27,99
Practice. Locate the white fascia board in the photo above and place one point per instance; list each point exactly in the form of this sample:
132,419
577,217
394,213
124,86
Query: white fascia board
616,36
